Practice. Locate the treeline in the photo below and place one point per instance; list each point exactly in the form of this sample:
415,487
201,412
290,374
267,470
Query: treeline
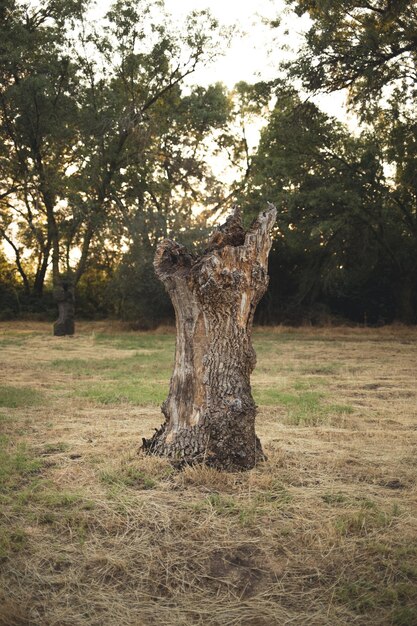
105,149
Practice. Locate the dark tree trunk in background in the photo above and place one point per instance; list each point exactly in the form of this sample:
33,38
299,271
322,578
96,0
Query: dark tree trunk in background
64,297
406,298
210,412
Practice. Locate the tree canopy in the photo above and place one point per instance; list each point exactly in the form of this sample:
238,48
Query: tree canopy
106,147
95,128
368,47
348,203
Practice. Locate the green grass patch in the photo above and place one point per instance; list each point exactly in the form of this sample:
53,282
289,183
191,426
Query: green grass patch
11,541
334,498
405,615
54,448
366,520
21,483
246,510
17,397
322,369
303,408
341,409
276,494
145,364
366,595
51,498
308,384
13,340
304,404
263,336
129,476
141,379
264,347
16,464
222,504
139,341
139,393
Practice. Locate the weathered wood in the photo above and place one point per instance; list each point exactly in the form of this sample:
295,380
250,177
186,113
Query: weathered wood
210,411
64,297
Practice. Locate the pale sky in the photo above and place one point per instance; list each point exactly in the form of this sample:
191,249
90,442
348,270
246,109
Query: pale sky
254,54
248,55
256,49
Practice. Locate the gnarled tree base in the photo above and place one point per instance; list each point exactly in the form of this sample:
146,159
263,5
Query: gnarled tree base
210,411
192,446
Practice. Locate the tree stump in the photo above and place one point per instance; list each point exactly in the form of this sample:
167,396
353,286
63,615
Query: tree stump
64,297
210,411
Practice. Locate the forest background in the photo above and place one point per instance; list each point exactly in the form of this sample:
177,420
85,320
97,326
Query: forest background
107,146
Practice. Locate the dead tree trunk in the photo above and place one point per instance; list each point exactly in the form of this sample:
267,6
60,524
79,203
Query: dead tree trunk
64,297
210,412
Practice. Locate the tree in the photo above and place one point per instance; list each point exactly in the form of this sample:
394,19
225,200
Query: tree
369,48
338,226
78,105
210,412
366,46
9,289
36,111
156,196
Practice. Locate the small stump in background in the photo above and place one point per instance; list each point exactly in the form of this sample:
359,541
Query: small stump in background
64,297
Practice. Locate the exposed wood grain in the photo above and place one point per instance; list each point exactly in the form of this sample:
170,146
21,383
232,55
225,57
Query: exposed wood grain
210,411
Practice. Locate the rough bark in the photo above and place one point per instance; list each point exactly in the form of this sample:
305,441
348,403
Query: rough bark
64,297
210,411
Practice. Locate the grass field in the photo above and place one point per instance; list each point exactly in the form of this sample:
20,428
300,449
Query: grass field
323,533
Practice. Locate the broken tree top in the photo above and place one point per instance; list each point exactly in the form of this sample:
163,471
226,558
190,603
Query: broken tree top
171,257
210,412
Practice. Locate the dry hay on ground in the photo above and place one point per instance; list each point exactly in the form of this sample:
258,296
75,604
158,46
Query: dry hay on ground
323,533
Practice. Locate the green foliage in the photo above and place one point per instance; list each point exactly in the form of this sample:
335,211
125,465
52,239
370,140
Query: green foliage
342,242
351,202
122,153
117,153
359,45
10,290
137,295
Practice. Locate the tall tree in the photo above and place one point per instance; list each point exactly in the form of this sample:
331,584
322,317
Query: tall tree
162,194
77,105
37,131
369,48
338,222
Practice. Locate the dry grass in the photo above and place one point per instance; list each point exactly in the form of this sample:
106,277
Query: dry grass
323,533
